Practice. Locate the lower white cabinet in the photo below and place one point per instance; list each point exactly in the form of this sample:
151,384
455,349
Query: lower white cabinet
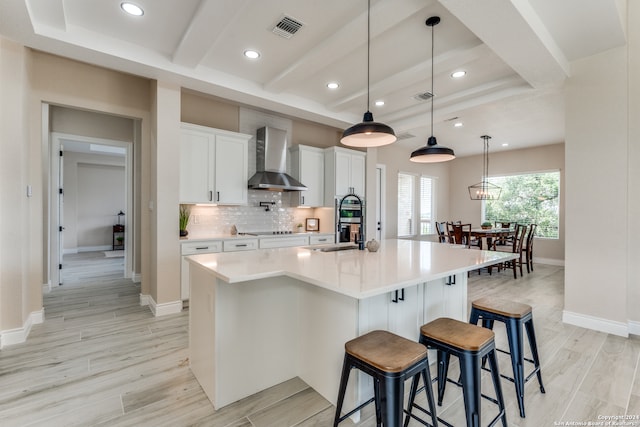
322,239
284,242
193,248
239,245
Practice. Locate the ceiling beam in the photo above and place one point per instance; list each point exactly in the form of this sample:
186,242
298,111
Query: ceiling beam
514,31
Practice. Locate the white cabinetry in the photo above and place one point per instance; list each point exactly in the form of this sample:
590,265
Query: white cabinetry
322,239
239,245
307,166
213,165
344,173
284,242
193,248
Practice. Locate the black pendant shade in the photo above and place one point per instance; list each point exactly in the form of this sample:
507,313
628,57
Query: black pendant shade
368,133
432,152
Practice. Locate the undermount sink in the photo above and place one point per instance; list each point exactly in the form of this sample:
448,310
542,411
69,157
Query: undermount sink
336,248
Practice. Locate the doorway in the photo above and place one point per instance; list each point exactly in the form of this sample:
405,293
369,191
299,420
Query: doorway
90,202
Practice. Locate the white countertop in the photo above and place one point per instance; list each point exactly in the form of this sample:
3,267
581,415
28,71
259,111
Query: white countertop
355,273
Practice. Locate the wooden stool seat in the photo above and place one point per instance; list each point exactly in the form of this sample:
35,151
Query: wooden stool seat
502,307
461,335
386,351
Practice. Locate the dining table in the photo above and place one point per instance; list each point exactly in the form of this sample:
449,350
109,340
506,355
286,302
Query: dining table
488,234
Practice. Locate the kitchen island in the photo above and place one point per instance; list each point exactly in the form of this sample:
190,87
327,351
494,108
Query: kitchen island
259,318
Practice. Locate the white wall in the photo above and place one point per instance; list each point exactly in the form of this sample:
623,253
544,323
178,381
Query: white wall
94,192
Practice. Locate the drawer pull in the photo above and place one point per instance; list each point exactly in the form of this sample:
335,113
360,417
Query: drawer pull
244,245
322,240
201,248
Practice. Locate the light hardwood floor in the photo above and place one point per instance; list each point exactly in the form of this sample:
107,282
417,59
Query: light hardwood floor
100,359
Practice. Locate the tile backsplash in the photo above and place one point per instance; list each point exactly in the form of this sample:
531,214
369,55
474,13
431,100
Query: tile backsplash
216,220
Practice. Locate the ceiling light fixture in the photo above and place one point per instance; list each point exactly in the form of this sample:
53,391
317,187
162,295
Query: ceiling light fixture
457,125
458,74
432,152
484,190
368,133
379,103
333,85
252,54
132,9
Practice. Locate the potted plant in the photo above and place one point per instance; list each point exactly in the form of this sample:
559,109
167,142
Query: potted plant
300,227
486,225
185,212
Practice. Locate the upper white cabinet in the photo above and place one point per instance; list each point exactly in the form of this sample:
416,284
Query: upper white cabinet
344,173
307,166
213,165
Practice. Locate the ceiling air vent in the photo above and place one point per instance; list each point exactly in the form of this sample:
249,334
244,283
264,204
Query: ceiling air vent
424,96
405,135
287,27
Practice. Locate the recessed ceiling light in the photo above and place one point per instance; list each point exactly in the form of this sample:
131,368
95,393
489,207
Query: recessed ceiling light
458,74
379,103
333,85
132,9
505,144
457,124
252,54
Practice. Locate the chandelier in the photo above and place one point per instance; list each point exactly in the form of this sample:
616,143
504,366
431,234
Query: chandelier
484,190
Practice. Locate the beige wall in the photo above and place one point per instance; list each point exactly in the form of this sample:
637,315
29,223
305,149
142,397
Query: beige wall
633,279
20,286
91,123
597,176
466,171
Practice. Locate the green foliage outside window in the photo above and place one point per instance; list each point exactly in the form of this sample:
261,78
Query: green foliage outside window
526,199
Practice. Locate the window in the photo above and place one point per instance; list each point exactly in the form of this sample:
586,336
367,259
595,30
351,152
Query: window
527,198
415,200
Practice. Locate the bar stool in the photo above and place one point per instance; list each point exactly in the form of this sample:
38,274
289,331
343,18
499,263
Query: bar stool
390,360
470,344
514,315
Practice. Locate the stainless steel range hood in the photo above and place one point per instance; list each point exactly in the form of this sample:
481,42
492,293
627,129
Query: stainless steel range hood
271,162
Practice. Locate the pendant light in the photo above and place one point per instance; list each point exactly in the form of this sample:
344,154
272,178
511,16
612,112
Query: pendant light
368,133
432,152
484,190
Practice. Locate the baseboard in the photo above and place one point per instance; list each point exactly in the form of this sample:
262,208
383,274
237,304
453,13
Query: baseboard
19,335
163,309
549,261
70,251
95,248
46,288
634,328
590,322
136,277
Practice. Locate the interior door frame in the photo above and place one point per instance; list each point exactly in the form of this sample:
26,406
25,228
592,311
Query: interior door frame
55,140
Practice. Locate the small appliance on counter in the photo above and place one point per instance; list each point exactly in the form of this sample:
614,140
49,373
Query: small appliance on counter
350,219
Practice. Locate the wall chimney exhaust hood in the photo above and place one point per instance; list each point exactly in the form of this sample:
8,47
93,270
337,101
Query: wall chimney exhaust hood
271,162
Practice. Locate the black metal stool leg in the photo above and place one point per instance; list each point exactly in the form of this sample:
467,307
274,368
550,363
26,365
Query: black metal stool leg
443,369
495,376
514,335
528,325
470,376
346,368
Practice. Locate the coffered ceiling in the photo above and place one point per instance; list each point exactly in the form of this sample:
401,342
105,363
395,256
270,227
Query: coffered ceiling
516,53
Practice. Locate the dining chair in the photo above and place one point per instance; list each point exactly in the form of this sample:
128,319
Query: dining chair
460,234
528,247
441,229
514,246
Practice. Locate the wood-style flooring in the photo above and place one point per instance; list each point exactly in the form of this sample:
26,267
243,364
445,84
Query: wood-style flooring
100,359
